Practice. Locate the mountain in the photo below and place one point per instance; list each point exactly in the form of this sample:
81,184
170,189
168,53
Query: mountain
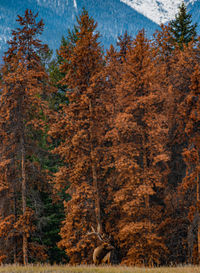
195,11
114,17
160,11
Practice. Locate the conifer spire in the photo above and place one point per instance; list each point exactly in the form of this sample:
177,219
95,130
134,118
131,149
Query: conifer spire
182,29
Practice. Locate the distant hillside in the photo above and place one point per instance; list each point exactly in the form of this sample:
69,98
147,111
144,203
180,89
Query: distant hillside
195,11
113,17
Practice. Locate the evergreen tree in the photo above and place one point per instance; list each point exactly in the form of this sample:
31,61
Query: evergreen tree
22,112
175,69
56,74
190,186
76,126
51,213
181,27
136,135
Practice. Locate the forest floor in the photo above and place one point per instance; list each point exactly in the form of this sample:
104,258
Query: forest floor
94,269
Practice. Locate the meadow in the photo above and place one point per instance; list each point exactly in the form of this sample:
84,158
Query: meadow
94,269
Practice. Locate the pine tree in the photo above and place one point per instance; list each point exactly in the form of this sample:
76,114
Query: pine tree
56,75
51,213
104,84
22,111
77,127
175,69
181,27
189,187
138,127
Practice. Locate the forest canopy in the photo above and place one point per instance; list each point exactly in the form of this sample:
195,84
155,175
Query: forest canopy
100,146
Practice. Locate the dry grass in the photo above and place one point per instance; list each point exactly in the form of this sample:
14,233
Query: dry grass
93,269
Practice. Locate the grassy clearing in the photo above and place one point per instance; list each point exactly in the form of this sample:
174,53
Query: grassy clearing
93,269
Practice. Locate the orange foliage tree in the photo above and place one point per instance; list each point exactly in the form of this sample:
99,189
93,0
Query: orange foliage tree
22,112
105,83
126,131
77,126
175,66
181,67
139,157
189,187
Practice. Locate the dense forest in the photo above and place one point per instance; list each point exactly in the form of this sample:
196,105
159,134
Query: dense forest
100,146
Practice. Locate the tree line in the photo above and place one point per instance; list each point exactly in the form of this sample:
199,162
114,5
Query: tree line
106,141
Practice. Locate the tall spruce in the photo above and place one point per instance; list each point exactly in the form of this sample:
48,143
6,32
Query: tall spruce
181,27
22,112
190,185
175,70
136,135
76,125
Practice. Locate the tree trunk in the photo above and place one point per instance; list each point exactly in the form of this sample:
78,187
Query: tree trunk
25,241
97,199
94,177
15,239
145,167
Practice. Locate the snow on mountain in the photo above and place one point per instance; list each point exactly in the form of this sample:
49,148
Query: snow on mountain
4,27
75,4
58,6
114,17
158,11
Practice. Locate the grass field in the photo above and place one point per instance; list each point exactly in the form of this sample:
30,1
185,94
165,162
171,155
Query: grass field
93,269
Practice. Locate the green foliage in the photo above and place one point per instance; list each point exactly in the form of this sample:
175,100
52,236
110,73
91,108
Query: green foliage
181,27
59,98
49,221
48,214
56,75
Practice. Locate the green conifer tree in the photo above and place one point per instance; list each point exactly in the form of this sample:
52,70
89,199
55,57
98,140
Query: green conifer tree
182,29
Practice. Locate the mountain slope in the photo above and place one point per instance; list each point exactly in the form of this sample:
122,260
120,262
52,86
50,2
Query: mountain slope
113,17
160,11
195,11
